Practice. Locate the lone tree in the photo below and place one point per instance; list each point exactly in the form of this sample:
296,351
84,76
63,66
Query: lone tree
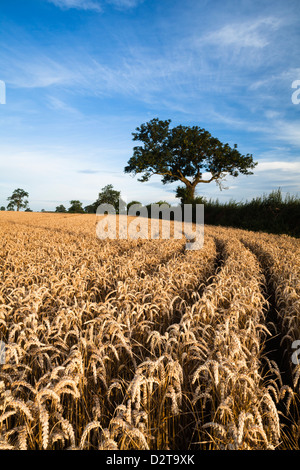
132,203
76,207
184,154
108,195
17,199
60,208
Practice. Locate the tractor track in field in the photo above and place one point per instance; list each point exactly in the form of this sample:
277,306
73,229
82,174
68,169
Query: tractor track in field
274,348
276,351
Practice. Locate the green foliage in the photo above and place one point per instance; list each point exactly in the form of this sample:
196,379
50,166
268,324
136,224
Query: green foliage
76,207
60,208
160,203
184,154
17,200
186,197
270,213
131,203
11,206
90,209
108,195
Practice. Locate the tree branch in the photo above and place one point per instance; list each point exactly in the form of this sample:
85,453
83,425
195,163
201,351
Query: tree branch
183,178
211,179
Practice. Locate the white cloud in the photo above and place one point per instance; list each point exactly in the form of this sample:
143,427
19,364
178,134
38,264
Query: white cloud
54,176
40,71
77,4
290,132
135,73
122,4
271,175
252,34
94,4
287,132
58,105
285,77
291,167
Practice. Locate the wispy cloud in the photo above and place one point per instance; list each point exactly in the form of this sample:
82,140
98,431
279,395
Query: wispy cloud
89,172
288,131
88,75
284,77
250,33
28,67
95,5
278,173
284,166
134,73
77,4
124,4
57,104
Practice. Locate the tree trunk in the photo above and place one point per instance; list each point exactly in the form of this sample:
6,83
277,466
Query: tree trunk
190,193
186,193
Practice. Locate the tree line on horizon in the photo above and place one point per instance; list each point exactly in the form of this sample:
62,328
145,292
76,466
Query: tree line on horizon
271,212
187,154
183,154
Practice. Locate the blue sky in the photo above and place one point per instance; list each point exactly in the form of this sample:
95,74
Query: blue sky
81,75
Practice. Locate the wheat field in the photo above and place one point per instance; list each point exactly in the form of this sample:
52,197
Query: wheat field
142,344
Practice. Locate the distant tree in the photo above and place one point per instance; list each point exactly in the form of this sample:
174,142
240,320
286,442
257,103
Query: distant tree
158,203
109,195
90,209
2,208
28,209
76,207
61,208
152,208
184,154
43,210
131,203
163,202
17,200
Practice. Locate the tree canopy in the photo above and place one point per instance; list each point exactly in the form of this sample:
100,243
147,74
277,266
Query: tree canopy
17,199
132,203
76,207
108,195
190,155
60,208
